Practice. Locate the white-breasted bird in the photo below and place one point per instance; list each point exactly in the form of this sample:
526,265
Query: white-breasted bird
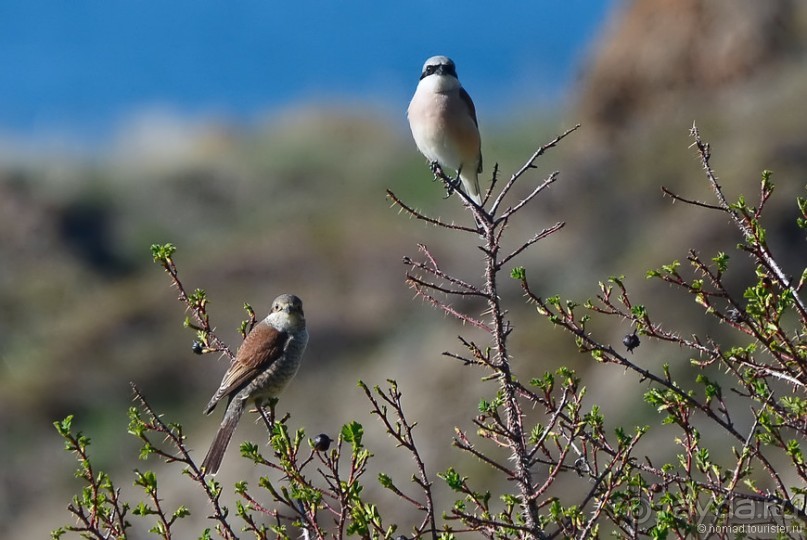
443,120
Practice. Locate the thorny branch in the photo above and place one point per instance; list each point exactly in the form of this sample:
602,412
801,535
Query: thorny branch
196,303
153,423
401,430
746,223
760,316
437,286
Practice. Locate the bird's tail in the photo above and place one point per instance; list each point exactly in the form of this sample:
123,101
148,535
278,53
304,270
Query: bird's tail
215,454
470,182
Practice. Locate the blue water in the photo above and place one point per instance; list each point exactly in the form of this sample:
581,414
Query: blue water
85,66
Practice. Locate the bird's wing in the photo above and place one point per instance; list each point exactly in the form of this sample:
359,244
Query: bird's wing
466,98
260,349
469,103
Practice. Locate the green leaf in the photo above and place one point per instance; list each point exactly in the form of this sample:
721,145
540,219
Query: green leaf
136,425
621,436
740,204
639,311
721,260
535,433
250,450
198,297
702,459
142,509
545,383
794,451
519,273
146,451
181,512
146,480
353,432
671,268
63,426
385,480
795,405
594,418
711,388
767,185
453,479
162,253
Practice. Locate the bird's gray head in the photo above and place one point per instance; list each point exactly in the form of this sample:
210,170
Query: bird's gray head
287,311
439,65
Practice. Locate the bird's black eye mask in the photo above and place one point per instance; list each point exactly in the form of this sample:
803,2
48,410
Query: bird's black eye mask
440,69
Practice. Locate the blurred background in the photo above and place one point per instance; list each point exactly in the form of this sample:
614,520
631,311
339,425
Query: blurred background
261,139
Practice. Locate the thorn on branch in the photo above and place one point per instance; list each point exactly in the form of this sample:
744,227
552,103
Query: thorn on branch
396,201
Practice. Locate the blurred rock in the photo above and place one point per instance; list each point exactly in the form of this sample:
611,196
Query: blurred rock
654,50
734,67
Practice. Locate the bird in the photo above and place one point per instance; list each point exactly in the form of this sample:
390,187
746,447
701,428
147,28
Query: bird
443,121
267,360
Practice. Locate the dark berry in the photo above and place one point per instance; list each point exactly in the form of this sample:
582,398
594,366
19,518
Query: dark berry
735,315
322,442
581,466
631,341
197,347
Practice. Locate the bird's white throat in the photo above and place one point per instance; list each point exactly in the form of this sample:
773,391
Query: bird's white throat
439,84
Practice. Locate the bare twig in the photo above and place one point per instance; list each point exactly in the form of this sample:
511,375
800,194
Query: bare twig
539,236
418,215
530,164
760,247
506,430
177,440
197,308
402,431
